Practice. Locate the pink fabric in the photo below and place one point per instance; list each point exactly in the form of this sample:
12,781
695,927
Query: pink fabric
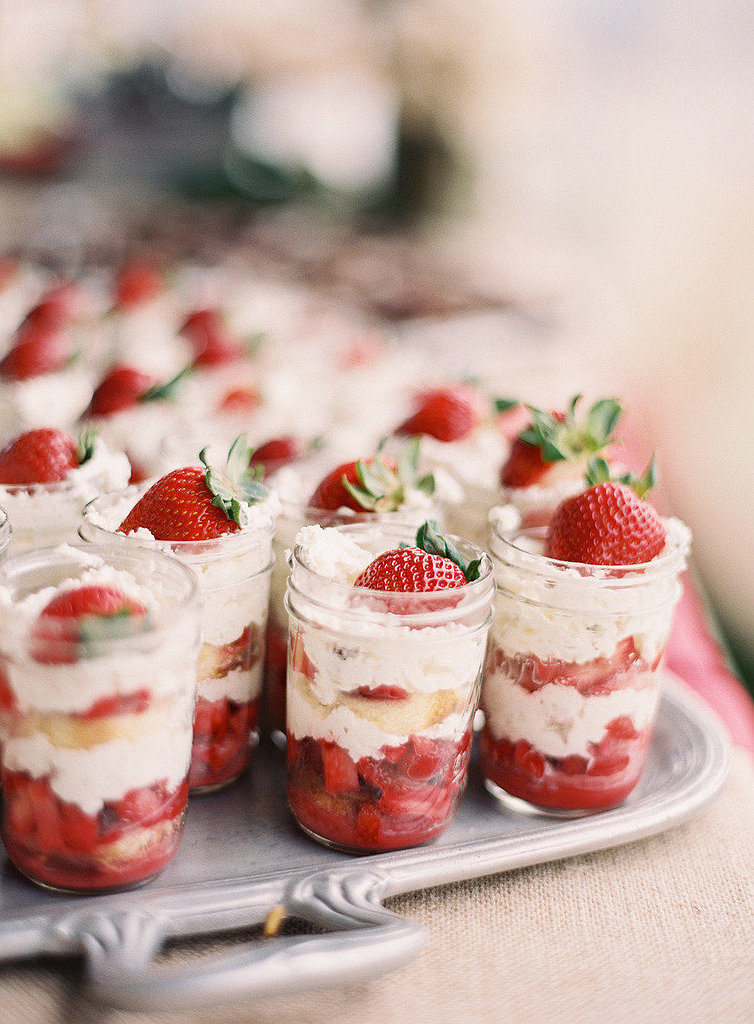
695,656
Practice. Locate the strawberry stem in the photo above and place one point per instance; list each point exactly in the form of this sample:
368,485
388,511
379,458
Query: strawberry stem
429,540
237,485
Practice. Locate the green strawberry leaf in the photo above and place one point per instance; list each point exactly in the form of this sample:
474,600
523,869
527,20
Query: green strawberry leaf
504,404
85,444
157,392
238,484
429,540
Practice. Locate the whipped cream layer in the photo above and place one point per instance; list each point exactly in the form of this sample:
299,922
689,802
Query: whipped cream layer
89,777
43,515
47,400
359,736
556,612
557,720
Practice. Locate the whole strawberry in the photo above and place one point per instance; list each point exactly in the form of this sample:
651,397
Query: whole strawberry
447,414
137,283
124,387
199,504
374,484
433,564
77,617
39,347
43,456
277,452
557,437
208,336
607,524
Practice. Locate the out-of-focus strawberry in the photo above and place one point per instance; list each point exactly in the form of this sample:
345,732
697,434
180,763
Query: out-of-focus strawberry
138,282
42,456
208,335
79,616
447,414
39,347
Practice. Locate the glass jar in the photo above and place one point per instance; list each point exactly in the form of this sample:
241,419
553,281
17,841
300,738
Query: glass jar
44,515
6,532
382,691
96,730
293,517
233,572
573,673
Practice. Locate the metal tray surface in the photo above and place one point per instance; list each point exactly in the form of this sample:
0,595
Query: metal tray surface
242,854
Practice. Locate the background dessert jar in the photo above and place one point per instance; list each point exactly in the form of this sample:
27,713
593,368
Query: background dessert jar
379,489
382,684
97,684
233,572
573,672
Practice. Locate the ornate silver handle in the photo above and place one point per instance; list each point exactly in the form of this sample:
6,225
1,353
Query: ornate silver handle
366,940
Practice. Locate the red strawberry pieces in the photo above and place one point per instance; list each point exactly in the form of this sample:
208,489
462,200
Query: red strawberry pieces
447,414
68,621
40,456
121,388
39,347
410,570
608,524
198,504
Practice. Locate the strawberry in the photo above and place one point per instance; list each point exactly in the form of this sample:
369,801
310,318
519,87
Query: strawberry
125,386
433,564
60,303
138,282
277,452
241,401
79,616
39,347
43,456
607,524
199,504
447,414
375,484
209,337
555,437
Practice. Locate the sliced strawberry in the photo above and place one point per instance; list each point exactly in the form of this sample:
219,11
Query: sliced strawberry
340,771
383,692
447,414
79,831
608,524
7,696
40,456
38,348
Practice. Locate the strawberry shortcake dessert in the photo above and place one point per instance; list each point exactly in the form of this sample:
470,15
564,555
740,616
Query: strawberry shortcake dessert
574,667
218,519
97,681
387,640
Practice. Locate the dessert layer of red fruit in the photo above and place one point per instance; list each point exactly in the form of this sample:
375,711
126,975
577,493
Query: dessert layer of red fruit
54,842
599,676
223,731
603,779
405,796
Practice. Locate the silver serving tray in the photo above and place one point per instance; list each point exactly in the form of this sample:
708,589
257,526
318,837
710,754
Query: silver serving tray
242,854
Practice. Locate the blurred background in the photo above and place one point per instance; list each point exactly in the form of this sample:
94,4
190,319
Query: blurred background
560,190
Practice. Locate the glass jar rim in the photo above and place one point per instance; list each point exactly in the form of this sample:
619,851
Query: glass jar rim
137,560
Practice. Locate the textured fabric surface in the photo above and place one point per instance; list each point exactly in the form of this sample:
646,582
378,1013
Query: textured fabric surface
656,930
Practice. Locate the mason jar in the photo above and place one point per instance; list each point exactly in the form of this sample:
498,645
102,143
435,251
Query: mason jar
573,672
382,691
233,573
96,718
